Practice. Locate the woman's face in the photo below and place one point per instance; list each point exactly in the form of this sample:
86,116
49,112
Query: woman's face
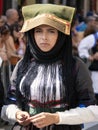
45,37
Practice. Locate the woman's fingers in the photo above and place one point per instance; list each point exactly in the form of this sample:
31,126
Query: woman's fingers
40,120
23,118
43,119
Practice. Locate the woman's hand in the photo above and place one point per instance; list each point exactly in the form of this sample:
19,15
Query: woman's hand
44,119
96,56
23,118
91,58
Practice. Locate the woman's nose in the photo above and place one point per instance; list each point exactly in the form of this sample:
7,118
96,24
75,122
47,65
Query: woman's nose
44,36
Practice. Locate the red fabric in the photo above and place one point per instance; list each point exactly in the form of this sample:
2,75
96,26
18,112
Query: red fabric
1,6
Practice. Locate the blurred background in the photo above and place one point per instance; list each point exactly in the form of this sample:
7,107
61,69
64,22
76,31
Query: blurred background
84,6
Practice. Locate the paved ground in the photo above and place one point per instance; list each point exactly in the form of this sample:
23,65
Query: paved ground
5,128
4,125
91,126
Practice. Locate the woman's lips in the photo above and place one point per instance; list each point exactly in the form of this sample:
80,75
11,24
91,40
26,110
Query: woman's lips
44,44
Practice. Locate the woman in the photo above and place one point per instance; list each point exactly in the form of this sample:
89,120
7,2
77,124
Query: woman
48,80
88,51
18,39
4,35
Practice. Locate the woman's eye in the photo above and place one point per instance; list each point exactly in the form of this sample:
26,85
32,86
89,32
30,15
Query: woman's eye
51,31
37,31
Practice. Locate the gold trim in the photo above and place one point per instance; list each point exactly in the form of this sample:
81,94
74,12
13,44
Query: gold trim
48,19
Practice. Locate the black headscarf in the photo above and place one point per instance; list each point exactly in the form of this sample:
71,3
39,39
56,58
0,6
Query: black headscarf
53,55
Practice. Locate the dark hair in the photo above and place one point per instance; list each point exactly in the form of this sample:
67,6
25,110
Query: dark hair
15,27
4,30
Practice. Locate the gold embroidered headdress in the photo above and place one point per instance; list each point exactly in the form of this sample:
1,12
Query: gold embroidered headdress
57,16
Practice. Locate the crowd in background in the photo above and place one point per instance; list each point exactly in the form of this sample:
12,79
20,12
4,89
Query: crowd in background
85,44
84,39
12,47
12,42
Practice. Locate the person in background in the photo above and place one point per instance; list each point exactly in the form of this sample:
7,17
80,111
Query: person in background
19,39
82,29
4,35
76,36
8,20
91,25
88,51
12,17
2,22
50,89
4,57
6,52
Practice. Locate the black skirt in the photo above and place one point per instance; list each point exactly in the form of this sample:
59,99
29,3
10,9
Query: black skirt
51,127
